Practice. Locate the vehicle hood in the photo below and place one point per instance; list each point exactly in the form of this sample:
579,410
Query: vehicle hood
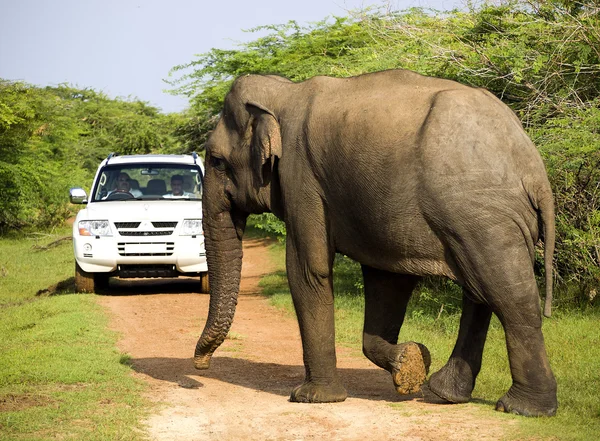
122,211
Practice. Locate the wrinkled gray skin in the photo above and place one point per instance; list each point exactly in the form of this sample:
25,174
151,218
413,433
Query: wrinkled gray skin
408,175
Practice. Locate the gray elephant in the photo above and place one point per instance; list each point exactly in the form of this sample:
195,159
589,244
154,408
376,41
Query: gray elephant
410,176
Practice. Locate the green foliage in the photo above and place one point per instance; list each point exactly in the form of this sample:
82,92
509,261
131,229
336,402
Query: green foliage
542,58
570,146
269,224
53,138
192,130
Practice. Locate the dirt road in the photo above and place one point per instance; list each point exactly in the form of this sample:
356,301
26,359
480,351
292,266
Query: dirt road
244,395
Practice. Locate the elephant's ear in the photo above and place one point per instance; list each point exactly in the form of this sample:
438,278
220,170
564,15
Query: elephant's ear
266,143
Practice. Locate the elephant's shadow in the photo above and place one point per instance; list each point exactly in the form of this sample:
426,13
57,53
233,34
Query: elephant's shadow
277,379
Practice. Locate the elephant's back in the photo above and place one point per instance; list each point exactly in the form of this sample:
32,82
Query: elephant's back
373,115
390,81
392,161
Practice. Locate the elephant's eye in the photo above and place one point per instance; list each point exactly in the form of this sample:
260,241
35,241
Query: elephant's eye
218,163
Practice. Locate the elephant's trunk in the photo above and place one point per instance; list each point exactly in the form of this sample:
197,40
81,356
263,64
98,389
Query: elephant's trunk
224,256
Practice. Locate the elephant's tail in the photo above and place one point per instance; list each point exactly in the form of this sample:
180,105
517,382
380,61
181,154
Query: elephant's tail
542,200
546,208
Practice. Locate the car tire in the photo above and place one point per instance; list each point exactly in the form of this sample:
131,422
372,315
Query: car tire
100,282
204,284
90,282
84,281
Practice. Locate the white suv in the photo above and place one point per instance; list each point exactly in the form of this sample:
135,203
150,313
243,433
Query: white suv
142,219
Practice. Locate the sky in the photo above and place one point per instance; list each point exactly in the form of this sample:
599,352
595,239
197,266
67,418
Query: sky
126,48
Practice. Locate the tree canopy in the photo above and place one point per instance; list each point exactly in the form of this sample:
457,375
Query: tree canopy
53,138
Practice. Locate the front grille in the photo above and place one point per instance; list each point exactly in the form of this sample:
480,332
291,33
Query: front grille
164,224
130,271
146,233
120,225
169,248
158,228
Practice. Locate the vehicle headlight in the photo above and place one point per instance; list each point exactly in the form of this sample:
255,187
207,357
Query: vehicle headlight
94,228
191,227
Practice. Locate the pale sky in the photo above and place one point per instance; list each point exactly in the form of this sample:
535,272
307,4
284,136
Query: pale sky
125,48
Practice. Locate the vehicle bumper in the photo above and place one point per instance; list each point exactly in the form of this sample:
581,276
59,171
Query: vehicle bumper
105,254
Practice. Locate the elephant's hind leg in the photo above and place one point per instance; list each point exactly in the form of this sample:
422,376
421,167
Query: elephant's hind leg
386,297
497,268
533,392
456,380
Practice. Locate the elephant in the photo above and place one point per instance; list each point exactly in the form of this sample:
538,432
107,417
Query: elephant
408,175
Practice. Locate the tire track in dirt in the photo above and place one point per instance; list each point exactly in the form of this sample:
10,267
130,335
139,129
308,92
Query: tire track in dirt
244,395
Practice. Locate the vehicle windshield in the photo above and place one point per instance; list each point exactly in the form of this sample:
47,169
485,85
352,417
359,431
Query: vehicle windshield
148,182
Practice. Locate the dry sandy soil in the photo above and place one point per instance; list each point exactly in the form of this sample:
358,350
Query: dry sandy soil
244,395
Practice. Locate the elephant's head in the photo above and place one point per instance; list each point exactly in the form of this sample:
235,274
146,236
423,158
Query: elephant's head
241,178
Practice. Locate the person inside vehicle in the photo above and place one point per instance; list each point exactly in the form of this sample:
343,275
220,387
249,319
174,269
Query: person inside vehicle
177,188
124,186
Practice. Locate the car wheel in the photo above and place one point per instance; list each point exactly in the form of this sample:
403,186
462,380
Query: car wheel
204,284
84,281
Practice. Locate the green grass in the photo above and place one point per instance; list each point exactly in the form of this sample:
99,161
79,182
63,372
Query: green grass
25,267
572,339
61,376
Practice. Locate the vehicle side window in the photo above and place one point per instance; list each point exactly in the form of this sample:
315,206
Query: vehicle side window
103,185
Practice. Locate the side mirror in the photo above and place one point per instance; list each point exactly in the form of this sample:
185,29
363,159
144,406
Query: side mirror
78,196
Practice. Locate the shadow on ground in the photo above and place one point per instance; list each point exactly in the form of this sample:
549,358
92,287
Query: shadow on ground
131,287
134,287
277,379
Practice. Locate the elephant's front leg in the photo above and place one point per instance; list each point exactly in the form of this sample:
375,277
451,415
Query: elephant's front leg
310,279
386,297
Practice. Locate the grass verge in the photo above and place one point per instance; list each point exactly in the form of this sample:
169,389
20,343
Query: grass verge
61,376
572,340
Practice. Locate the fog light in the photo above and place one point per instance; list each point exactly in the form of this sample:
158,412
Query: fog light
87,247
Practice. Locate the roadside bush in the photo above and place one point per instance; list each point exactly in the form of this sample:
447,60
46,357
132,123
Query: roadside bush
570,146
269,223
34,194
54,138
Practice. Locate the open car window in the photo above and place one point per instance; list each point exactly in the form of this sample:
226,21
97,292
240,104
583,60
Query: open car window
148,182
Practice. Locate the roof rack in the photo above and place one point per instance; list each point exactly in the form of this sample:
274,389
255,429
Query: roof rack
195,156
111,154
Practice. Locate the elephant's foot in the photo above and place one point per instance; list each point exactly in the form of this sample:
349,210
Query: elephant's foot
310,392
410,365
451,383
527,405
202,362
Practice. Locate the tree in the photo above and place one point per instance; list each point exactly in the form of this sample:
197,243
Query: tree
54,138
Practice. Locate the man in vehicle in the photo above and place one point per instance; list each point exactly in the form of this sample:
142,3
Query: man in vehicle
177,188
124,186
